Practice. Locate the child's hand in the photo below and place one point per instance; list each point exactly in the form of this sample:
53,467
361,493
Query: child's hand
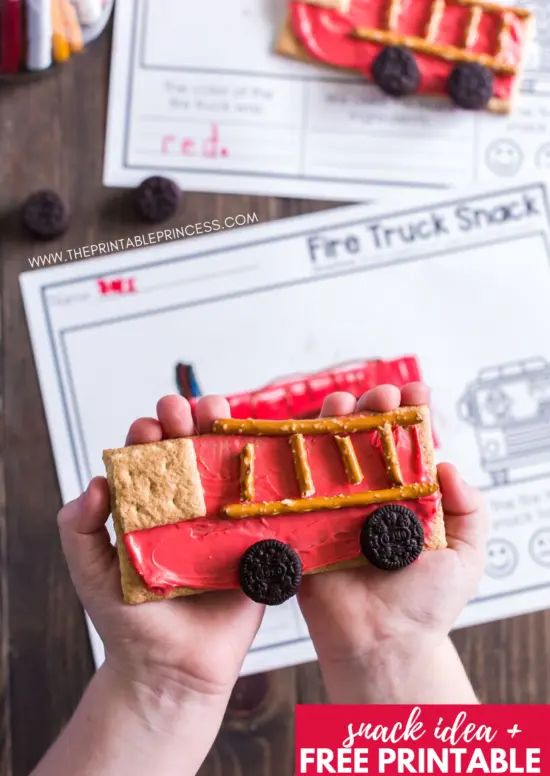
364,620
158,701
188,646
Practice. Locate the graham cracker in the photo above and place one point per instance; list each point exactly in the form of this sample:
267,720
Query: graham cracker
437,539
151,484
154,484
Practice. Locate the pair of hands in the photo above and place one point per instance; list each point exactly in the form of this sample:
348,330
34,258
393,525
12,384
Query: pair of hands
358,619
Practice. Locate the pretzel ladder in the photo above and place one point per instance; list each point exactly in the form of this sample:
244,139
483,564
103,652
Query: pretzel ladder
426,44
342,430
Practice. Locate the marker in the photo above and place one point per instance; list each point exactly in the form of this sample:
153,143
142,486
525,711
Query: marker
60,43
39,34
11,43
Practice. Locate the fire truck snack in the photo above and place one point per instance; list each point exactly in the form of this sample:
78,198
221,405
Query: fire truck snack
157,199
471,50
45,214
258,503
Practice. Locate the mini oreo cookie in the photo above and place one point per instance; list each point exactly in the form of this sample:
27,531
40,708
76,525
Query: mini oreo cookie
157,199
270,572
395,71
392,537
470,85
45,214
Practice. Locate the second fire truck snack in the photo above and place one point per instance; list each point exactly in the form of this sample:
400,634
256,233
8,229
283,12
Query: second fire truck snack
256,504
471,50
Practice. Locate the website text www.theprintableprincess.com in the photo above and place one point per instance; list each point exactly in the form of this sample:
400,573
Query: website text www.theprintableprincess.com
141,240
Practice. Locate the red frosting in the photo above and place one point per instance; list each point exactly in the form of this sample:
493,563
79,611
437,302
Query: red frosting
302,396
326,35
204,553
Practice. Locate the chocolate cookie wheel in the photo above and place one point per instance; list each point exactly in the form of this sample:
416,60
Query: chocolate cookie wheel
45,214
270,572
392,537
157,198
470,85
395,71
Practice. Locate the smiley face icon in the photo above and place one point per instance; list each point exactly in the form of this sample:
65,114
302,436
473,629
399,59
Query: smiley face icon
502,558
539,547
504,157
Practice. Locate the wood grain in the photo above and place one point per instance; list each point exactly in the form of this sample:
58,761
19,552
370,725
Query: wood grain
52,135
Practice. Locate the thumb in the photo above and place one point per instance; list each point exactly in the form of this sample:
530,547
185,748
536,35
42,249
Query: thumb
466,523
90,556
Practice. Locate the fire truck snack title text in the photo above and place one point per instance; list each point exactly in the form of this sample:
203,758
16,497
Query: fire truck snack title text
394,233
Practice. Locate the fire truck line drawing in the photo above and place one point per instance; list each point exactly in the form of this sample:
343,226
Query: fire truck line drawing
509,408
481,43
350,488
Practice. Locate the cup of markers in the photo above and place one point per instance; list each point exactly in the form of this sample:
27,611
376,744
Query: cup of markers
37,34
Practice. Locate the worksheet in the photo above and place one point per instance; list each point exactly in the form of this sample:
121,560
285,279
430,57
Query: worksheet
462,282
198,94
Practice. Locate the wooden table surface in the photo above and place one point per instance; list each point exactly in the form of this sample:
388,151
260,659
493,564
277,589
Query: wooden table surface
52,134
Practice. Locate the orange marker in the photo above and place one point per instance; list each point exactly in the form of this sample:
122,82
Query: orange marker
60,43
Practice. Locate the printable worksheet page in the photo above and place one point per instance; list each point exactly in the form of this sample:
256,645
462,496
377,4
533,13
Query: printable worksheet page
462,282
244,119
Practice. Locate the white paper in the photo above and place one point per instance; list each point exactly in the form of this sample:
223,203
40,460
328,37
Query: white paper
198,94
470,292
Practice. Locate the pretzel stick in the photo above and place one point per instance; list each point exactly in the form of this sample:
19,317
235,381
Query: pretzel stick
301,465
434,22
247,472
390,454
347,424
290,506
472,30
349,459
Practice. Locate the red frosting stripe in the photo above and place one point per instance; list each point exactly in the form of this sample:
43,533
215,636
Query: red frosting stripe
205,553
